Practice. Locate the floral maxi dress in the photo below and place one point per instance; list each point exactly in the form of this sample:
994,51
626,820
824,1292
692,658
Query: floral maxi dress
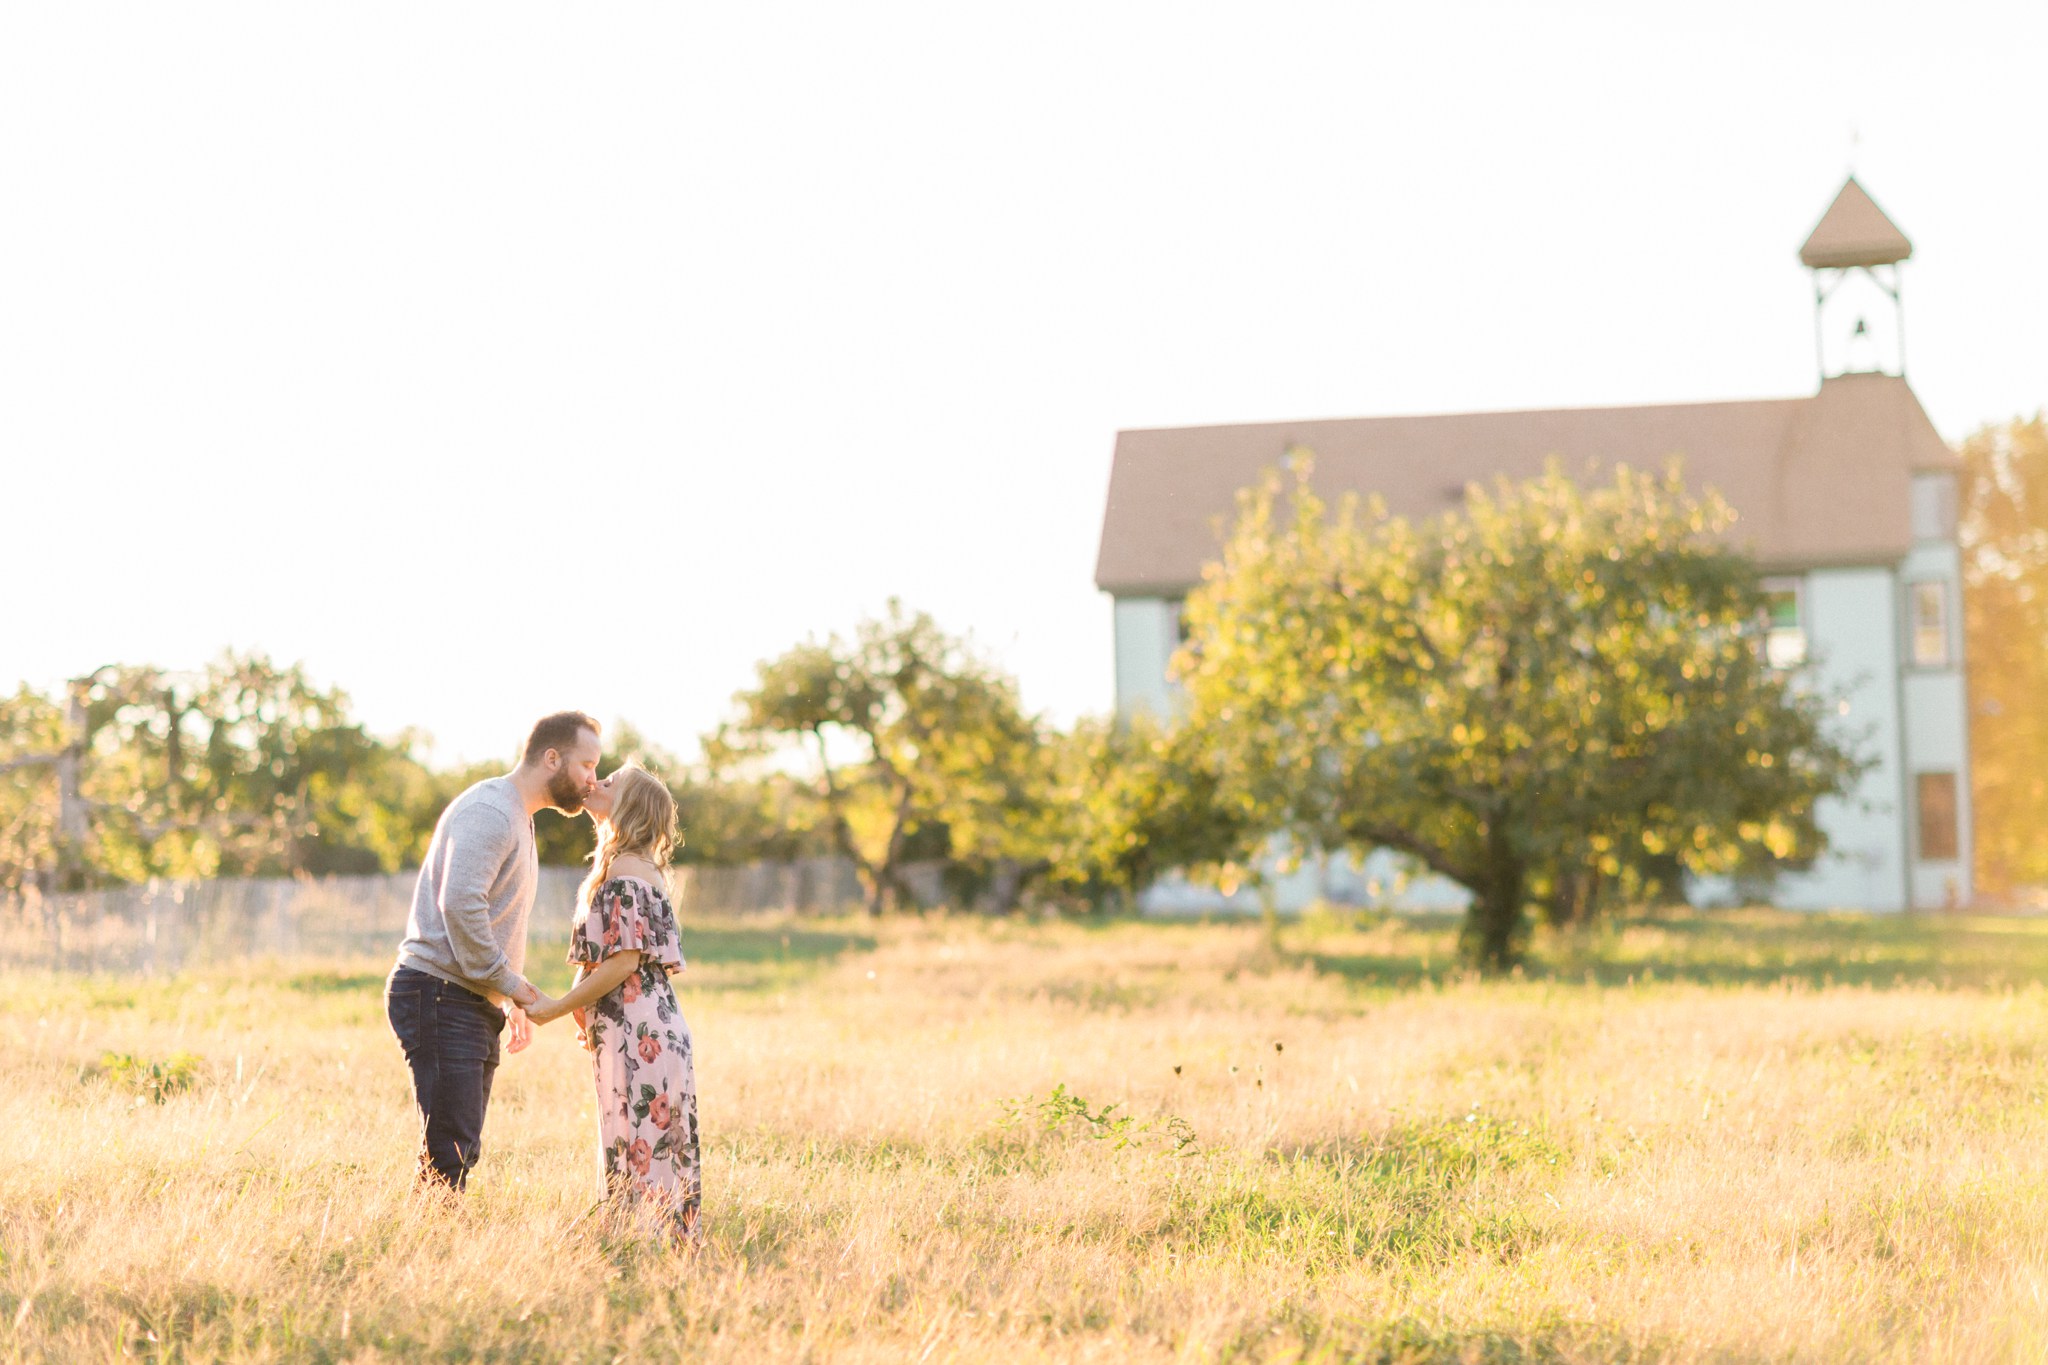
640,1053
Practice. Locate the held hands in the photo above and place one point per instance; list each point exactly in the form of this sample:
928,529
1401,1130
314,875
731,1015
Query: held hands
525,1008
544,1009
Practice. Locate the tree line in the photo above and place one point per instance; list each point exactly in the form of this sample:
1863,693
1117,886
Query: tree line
1554,697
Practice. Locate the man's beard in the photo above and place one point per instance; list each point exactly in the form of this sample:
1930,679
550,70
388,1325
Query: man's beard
565,793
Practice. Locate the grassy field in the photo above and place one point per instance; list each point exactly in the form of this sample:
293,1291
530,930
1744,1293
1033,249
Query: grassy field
1751,1137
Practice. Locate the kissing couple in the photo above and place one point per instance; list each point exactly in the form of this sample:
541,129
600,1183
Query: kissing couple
459,982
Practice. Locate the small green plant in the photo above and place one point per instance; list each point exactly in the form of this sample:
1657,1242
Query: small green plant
1062,1106
151,1081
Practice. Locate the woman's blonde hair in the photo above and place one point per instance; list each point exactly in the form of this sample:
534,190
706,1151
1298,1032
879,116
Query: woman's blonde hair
642,822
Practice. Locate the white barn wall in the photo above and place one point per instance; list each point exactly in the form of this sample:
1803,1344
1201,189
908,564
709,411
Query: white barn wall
1936,742
1853,619
1147,633
1937,730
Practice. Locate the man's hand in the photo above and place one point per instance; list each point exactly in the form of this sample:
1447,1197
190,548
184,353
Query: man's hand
521,1028
544,1009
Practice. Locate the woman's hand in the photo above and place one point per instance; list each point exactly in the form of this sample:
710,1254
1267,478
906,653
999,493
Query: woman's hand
583,1039
545,1010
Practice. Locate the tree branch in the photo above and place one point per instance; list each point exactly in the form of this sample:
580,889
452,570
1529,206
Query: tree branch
842,833
1400,840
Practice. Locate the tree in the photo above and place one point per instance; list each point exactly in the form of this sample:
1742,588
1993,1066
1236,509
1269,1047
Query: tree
902,730
1550,688
1134,801
32,738
2004,535
242,768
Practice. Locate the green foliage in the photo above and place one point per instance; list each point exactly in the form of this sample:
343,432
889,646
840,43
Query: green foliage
1556,689
903,732
734,810
246,768
1134,800
242,768
31,725
1056,1111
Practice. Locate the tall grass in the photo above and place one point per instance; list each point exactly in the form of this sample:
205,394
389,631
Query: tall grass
1755,1137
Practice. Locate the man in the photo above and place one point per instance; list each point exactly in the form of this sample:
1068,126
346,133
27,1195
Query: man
465,942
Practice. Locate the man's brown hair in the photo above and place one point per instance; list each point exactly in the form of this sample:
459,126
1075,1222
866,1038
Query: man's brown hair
558,732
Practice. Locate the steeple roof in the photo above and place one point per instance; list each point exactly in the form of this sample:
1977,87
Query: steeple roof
1854,231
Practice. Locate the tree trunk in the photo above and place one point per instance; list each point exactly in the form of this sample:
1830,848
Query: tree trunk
73,822
887,893
1006,885
1574,897
1495,927
873,880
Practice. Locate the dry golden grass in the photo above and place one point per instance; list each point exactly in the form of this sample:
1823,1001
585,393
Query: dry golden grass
1753,1137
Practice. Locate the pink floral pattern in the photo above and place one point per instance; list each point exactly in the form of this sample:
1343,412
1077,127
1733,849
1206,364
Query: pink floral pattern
640,1054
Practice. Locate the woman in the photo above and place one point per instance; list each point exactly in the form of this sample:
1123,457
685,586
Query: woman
624,944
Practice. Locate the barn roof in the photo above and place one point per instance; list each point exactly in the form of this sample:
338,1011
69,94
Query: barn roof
1814,481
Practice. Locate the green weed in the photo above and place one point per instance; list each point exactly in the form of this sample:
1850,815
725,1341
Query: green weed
151,1081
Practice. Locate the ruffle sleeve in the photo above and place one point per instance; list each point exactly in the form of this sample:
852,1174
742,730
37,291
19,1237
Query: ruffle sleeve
626,914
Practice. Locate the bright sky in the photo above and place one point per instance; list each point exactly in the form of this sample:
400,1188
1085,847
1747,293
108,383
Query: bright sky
496,358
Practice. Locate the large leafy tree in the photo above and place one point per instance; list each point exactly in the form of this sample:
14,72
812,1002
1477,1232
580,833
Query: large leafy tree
1551,687
2004,533
901,733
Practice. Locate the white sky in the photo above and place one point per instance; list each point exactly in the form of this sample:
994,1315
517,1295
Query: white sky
493,358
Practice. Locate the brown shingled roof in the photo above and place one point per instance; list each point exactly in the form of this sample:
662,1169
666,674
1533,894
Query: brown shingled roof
1854,231
1814,481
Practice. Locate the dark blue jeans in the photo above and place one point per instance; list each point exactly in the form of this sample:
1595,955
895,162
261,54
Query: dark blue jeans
450,1038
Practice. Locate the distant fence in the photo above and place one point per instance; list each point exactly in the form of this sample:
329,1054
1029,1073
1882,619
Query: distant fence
160,926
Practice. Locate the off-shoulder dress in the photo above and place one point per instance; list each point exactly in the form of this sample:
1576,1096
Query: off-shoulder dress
640,1056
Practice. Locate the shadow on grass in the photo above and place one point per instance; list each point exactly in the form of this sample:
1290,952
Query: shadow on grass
1381,970
336,983
1732,948
729,943
1409,1341
727,956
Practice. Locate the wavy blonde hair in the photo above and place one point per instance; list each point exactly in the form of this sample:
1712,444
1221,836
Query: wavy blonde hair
642,822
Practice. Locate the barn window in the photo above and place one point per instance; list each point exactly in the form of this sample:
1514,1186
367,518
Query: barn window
1930,624
1784,623
1937,816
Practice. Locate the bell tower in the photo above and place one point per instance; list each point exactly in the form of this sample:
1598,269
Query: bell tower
1855,253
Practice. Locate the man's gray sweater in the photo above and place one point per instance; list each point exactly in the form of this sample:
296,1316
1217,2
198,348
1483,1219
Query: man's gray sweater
475,893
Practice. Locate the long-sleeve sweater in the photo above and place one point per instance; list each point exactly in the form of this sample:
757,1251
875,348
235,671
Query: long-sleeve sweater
475,892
